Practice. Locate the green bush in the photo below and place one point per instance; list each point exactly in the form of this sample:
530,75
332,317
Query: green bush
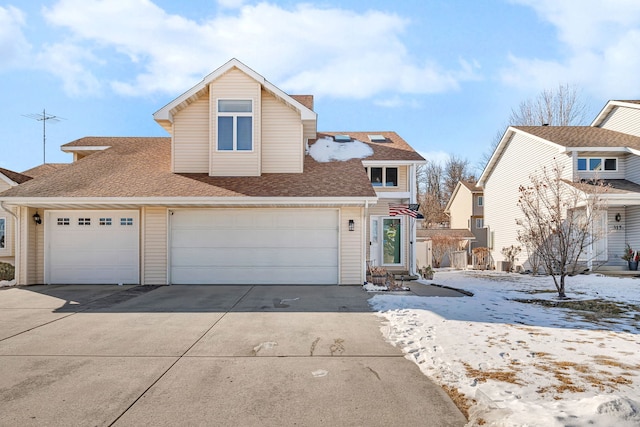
7,271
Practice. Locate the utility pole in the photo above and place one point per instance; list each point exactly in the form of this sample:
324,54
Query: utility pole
44,118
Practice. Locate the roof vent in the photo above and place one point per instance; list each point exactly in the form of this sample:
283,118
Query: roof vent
377,138
342,138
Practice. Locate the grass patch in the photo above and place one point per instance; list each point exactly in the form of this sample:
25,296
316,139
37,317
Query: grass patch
595,309
496,375
460,400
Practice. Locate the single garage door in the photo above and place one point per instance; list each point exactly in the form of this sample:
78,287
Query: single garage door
254,246
92,247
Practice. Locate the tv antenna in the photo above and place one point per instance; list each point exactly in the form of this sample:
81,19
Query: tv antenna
44,118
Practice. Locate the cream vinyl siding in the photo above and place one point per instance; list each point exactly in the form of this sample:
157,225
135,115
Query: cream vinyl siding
351,262
623,119
461,208
403,181
154,246
282,143
522,157
191,138
32,248
235,85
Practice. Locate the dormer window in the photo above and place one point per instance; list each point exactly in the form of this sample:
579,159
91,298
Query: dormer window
597,164
235,125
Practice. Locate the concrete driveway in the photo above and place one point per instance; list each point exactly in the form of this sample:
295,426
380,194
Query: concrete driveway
205,355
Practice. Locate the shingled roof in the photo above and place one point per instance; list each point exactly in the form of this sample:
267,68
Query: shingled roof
394,148
140,167
582,136
16,177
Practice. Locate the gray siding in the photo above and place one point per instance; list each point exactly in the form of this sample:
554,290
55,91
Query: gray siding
632,168
616,238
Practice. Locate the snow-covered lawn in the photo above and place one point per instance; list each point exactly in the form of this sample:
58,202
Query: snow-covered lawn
526,364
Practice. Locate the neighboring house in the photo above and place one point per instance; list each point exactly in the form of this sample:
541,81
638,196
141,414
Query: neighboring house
8,179
608,149
235,195
424,243
466,210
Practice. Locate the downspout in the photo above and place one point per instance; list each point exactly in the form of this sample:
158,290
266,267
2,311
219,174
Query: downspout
16,239
412,231
364,240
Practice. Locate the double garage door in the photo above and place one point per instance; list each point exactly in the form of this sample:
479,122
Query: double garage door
206,246
254,246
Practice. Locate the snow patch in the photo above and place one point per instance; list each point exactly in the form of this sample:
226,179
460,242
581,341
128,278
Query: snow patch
4,283
524,364
326,150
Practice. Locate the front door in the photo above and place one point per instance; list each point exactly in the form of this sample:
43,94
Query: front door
385,243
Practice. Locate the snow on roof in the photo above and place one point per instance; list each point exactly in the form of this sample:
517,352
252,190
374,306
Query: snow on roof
326,150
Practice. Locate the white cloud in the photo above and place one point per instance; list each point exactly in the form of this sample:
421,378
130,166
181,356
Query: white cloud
14,48
76,79
601,39
323,51
231,4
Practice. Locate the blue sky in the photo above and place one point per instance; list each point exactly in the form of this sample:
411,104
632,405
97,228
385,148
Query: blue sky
443,74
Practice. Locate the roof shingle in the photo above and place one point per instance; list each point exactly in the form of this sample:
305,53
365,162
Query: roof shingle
582,136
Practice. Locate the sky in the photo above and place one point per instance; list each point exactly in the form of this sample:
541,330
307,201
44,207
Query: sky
443,74
523,364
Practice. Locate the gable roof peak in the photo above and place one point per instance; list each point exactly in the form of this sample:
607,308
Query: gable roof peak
164,116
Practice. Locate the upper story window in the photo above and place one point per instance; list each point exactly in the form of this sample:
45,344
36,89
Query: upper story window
383,177
597,164
480,200
235,125
479,222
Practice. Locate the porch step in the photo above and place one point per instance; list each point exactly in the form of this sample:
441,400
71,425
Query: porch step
404,275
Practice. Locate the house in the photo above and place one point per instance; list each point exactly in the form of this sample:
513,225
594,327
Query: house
235,195
608,149
8,179
466,211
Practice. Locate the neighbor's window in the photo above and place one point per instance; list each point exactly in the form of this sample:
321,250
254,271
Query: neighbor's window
383,177
480,200
597,164
3,225
235,125
479,222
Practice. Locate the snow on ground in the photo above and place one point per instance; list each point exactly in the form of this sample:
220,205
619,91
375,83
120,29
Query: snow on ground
326,149
524,364
4,283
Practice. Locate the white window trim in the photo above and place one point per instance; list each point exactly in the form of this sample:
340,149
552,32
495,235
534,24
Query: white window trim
480,200
602,159
381,240
235,128
384,176
482,222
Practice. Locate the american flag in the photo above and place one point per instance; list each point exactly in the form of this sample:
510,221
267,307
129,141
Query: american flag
404,209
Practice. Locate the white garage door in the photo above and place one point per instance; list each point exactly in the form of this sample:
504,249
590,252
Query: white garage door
254,246
92,247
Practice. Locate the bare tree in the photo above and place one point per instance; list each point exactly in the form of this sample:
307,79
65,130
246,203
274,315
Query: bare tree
430,194
443,245
563,106
455,169
560,222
